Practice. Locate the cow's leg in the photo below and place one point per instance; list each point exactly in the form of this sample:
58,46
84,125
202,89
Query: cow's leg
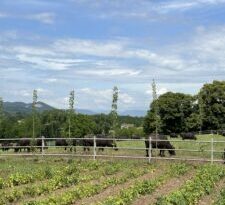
162,153
101,148
146,152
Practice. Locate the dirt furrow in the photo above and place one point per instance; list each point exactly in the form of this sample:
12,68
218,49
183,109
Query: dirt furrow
114,190
168,187
213,196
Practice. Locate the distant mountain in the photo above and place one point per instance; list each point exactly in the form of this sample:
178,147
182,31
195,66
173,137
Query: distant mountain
15,107
134,113
86,112
26,108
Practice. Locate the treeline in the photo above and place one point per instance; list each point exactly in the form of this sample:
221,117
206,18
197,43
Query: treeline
55,123
169,113
179,112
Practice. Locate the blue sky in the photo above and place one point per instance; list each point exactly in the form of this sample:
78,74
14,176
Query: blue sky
55,46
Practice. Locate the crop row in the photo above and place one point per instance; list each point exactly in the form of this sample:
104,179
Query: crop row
221,198
21,178
87,190
69,176
145,187
203,183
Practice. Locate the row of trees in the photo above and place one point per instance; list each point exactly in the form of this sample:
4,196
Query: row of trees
64,123
168,113
179,112
55,123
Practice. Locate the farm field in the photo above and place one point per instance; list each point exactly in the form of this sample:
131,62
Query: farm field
39,181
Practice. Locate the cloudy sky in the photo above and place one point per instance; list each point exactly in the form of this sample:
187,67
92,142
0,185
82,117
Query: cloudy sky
92,45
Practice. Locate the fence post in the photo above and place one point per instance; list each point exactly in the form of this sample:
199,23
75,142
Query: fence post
150,150
212,150
42,145
94,147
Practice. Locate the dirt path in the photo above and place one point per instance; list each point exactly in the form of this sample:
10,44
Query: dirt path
168,187
211,198
114,190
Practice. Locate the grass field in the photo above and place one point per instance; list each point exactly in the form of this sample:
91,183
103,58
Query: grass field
62,181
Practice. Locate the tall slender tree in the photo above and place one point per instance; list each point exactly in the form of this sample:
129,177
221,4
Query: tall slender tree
201,110
113,113
155,107
1,111
71,108
34,111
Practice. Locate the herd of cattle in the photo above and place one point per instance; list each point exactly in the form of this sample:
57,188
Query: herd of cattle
160,142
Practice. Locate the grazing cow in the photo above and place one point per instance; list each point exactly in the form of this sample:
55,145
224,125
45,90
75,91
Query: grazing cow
221,132
26,145
173,135
223,157
101,143
161,145
66,143
188,135
23,144
6,145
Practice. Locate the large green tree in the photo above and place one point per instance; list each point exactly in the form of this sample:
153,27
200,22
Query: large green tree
174,109
213,105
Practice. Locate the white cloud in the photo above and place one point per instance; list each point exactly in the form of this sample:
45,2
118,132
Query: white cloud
45,17
124,98
110,72
159,91
51,80
3,15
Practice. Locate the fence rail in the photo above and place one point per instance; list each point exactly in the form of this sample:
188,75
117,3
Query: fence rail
212,152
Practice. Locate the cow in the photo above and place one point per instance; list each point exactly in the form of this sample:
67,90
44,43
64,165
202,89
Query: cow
173,135
101,143
223,157
161,145
27,144
188,135
5,146
221,132
23,144
66,143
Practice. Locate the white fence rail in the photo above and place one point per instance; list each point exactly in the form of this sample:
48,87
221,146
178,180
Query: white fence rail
212,152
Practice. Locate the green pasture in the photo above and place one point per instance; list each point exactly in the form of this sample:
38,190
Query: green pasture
200,148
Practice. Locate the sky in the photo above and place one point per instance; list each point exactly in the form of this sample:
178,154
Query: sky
90,46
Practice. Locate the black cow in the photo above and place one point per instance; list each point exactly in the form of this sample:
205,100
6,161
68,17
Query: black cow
161,145
26,145
66,143
101,143
223,157
23,144
173,135
5,146
188,135
221,132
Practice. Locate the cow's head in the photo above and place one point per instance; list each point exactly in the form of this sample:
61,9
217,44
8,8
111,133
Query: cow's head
115,146
172,150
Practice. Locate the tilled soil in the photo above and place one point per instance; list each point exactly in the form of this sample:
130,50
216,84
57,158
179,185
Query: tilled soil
168,187
114,190
213,196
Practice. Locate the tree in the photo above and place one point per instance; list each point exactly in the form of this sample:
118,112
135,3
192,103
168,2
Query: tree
113,113
34,112
174,110
71,109
201,110
1,110
155,108
152,122
213,105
